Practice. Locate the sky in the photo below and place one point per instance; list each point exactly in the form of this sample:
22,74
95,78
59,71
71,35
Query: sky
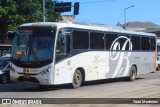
111,12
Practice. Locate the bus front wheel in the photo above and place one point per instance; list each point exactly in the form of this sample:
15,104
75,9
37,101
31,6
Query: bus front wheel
133,73
77,79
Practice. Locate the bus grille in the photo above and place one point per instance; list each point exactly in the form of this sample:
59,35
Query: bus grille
32,79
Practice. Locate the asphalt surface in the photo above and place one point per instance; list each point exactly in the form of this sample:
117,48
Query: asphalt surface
145,86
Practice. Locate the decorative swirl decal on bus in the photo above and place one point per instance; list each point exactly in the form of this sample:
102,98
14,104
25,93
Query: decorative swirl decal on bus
119,56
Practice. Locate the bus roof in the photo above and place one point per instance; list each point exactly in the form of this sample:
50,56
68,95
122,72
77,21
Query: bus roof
88,26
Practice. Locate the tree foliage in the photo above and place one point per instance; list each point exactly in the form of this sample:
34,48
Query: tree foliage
15,12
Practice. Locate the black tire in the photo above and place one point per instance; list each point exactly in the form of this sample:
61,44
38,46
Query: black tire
77,79
133,73
4,79
158,68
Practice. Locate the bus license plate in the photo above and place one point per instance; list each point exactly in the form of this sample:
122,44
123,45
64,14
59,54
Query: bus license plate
27,76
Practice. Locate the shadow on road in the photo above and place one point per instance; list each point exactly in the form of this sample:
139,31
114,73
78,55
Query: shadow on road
29,87
107,81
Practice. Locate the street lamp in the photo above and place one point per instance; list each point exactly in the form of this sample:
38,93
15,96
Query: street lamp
125,9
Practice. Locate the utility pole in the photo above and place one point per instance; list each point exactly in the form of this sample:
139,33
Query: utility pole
44,10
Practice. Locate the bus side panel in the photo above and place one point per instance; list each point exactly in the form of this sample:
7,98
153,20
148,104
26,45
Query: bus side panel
103,65
143,61
63,72
96,64
93,63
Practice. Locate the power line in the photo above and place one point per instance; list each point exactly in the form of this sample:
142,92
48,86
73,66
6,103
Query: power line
96,1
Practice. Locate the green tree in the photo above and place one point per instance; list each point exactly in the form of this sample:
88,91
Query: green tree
7,11
15,12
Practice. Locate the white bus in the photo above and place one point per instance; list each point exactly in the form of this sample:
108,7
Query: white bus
49,53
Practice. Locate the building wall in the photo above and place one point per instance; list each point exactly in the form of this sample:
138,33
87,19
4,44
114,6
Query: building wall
70,18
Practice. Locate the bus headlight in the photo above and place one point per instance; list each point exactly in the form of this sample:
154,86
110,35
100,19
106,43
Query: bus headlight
1,72
12,69
44,72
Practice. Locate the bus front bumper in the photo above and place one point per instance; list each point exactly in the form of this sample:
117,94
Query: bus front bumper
38,79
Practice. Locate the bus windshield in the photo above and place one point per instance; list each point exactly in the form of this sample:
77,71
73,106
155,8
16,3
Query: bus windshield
33,45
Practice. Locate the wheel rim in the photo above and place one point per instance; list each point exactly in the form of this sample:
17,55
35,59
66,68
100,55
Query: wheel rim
4,79
77,78
133,73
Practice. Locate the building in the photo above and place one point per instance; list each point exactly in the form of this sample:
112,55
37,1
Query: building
144,26
70,18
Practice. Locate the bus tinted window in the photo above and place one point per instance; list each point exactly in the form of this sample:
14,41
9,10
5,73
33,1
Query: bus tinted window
153,43
145,43
96,40
80,40
109,40
135,42
124,42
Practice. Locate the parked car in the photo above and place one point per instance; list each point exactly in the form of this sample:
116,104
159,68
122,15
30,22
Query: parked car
4,70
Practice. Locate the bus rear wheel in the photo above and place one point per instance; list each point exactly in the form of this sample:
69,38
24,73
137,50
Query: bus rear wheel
133,73
77,79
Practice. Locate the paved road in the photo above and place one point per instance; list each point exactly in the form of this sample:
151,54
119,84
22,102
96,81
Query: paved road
145,86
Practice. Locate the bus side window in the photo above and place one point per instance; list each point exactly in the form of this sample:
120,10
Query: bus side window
63,45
